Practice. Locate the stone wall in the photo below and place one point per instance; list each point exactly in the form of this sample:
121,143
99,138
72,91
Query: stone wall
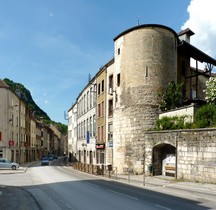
195,152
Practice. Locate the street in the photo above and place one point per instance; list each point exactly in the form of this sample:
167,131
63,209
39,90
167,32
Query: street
59,188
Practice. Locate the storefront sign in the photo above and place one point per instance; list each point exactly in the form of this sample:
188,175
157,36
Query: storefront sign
11,143
100,146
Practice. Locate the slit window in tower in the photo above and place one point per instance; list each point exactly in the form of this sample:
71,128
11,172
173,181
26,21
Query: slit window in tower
146,71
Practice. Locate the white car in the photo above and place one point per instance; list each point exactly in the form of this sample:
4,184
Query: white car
5,163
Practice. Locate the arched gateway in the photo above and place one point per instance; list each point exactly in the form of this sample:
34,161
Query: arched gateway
164,160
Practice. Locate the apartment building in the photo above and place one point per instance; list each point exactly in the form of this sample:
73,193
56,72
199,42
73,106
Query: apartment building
72,133
9,123
23,137
101,115
22,111
110,101
86,124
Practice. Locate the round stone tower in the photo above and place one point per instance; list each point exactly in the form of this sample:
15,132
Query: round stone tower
145,62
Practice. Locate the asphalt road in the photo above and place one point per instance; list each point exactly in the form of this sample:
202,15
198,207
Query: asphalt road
60,188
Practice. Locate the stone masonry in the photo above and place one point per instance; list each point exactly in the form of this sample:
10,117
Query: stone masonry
146,59
195,152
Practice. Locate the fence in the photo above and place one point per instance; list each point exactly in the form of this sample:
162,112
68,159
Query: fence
96,169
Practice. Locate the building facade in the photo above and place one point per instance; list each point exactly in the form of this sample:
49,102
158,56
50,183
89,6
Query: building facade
23,137
86,124
146,59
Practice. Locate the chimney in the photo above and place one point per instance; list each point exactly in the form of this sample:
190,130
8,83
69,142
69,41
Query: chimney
185,35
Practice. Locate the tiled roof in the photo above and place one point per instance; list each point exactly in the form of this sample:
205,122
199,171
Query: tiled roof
3,84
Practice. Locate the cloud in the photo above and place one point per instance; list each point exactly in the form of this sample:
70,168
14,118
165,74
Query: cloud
202,21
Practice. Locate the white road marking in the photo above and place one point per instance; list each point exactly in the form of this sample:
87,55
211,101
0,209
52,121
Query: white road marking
124,195
162,207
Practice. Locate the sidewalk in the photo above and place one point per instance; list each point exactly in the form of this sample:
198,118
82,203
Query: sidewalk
152,182
21,169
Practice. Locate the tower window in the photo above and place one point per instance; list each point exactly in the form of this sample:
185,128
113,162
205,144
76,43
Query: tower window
146,71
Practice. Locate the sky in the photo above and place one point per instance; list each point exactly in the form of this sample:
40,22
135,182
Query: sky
51,46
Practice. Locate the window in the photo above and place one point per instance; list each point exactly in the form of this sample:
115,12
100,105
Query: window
119,51
84,106
88,100
90,129
87,125
102,133
102,156
102,109
99,110
91,92
118,79
110,132
146,71
94,125
102,86
84,129
99,89
98,136
111,82
110,111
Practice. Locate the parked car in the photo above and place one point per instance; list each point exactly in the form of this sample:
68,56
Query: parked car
45,161
50,157
5,163
55,157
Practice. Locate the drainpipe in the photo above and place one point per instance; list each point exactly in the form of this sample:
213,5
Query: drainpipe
176,142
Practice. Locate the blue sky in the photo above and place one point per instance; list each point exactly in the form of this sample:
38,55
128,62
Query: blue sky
51,46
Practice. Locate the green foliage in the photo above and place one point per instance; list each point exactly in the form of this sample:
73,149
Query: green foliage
206,116
61,127
171,97
25,95
172,123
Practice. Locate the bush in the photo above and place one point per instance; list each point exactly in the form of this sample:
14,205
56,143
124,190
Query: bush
172,123
171,97
206,116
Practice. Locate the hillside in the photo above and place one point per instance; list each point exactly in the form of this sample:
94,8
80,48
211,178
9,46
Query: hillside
26,96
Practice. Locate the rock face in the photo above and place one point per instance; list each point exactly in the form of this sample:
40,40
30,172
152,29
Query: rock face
145,62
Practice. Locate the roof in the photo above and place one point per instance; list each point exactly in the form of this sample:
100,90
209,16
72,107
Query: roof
145,26
195,53
186,31
3,84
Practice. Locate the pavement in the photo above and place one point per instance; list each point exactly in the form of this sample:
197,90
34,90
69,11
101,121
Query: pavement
152,182
145,182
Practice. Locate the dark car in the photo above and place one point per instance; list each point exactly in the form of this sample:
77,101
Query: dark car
55,157
45,161
50,157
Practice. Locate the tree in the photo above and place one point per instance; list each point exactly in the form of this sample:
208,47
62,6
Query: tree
206,116
171,97
210,90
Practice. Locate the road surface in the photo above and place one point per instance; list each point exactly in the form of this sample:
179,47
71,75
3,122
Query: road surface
56,187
